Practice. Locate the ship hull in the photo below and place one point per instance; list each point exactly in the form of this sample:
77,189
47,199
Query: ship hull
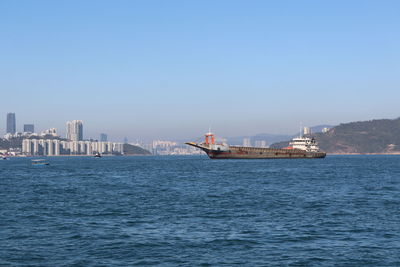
236,152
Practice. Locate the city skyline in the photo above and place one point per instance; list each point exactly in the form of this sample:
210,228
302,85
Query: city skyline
50,143
77,134
73,132
169,70
11,123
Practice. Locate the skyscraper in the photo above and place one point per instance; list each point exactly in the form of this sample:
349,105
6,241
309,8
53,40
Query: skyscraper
11,124
103,137
29,128
75,130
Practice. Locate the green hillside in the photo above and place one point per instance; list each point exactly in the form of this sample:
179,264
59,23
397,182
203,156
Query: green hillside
375,136
135,150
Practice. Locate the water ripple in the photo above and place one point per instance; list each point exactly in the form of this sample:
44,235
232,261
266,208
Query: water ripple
192,211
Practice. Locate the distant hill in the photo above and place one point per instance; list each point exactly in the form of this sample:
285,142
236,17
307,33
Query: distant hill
135,150
374,136
272,138
269,138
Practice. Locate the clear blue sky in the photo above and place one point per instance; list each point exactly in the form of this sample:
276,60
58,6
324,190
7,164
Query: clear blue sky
169,69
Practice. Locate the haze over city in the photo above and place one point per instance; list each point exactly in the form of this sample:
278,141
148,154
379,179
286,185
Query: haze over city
171,69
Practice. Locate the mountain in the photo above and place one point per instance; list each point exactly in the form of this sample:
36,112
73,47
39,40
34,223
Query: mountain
374,136
135,150
272,138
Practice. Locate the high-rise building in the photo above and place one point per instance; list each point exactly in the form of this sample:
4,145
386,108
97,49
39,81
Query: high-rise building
75,130
29,128
103,137
306,130
55,147
11,124
246,142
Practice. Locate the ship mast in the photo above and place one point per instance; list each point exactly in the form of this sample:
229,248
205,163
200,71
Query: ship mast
211,136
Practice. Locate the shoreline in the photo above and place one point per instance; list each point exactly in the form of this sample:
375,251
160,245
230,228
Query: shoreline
139,155
339,154
45,156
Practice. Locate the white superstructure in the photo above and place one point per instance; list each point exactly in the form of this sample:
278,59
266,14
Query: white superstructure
304,143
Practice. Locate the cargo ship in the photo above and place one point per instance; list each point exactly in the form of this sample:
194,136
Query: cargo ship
299,147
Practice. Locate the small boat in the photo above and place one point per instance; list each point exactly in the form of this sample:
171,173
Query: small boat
4,158
97,155
40,162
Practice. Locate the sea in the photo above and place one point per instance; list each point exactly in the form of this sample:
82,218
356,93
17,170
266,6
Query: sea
193,211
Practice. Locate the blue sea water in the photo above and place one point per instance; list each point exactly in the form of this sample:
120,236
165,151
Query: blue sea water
193,211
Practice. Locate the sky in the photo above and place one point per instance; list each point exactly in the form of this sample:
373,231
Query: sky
172,69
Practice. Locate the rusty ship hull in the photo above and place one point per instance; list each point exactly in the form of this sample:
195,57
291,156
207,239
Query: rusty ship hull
238,152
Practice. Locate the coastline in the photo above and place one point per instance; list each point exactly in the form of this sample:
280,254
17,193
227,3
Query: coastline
45,156
339,154
138,155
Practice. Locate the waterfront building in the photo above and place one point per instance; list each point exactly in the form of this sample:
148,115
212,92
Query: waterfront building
159,147
74,147
95,147
27,147
89,148
75,130
64,146
35,144
11,123
50,147
103,137
118,148
55,147
42,147
29,128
